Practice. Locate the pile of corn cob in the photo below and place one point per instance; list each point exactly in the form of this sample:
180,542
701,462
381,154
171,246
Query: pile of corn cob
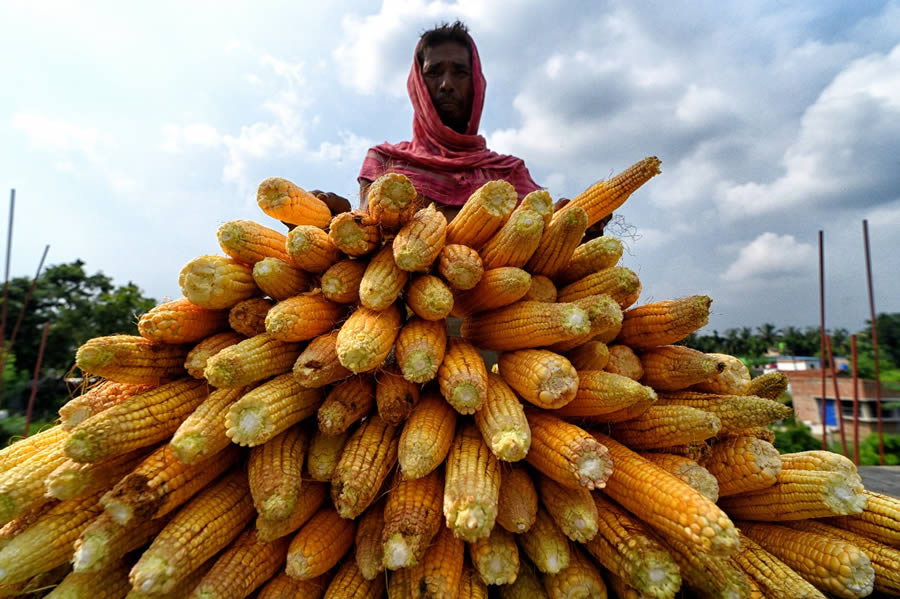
302,424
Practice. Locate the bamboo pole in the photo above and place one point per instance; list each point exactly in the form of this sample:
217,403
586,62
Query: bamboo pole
874,323
822,335
34,383
855,369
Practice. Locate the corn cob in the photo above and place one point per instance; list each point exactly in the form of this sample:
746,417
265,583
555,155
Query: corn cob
395,396
734,379
349,582
515,242
471,585
368,457
526,586
660,426
340,283
673,367
498,287
558,242
139,421
688,470
524,325
541,202
541,377
677,511
755,589
602,198
591,256
463,377
461,266
420,349
267,410
249,316
663,323
566,453
199,355
346,403
21,449
502,421
620,588
572,509
496,557
37,583
14,527
104,542
832,565
324,453
283,586
429,297
279,279
427,436
310,248
818,460
302,317
309,503
880,520
216,282
421,240
770,385
412,517
249,242
625,547
517,503
202,434
735,412
366,338
442,568
472,486
274,471
318,364
618,282
320,544
382,281
774,577
410,582
131,359
180,321
392,201
354,233
281,199
605,319
623,360
72,479
742,464
545,544
185,586
483,214
251,360
22,486
580,579
709,575
111,584
541,289
602,393
368,548
593,355
98,398
47,543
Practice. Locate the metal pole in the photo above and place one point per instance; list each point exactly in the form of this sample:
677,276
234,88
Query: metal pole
837,396
12,205
874,340
854,366
34,383
822,334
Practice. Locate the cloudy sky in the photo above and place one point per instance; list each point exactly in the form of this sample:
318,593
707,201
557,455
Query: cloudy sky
130,134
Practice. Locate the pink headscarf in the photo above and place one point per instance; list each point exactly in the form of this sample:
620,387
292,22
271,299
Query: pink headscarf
443,165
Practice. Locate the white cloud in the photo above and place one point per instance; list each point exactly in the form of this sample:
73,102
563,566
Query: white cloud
770,255
199,135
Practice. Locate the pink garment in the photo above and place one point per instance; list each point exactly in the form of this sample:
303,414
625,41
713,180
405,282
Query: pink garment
443,165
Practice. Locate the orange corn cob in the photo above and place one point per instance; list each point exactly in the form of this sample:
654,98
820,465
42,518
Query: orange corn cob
593,355
769,386
369,550
427,436
688,470
318,364
14,527
395,396
496,557
817,460
526,586
515,242
281,199
483,214
618,282
471,586
472,486
320,544
283,586
545,544
880,520
216,282
349,582
442,568
366,338
267,410
502,421
185,586
324,453
463,376
275,470
709,575
195,362
429,297
139,421
541,377
368,457
735,412
661,426
604,316
180,321
382,281
742,464
518,501
392,201
22,486
591,256
665,322
249,316
21,449
775,578
104,542
602,198
72,479
832,565
623,360
310,248
346,403
249,242
676,511
412,517
572,509
354,233
96,399
733,379
626,547
420,349
279,279
251,360
580,579
202,434
421,240
310,501
541,289
497,287
566,453
673,367
131,359
541,202
340,283
461,266
111,584
525,324
601,393
558,242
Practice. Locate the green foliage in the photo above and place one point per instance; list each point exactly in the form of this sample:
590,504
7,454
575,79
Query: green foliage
13,427
868,450
793,436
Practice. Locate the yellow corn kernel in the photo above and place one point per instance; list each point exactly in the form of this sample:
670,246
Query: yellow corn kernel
279,279
541,289
22,485
245,565
518,501
282,586
461,266
111,584
601,393
98,398
775,578
350,582
619,282
733,380
324,453
249,242
688,470
674,367
483,214
395,396
426,436
420,349
580,579
281,199
309,502
216,282
354,233
366,338
593,355
497,287
310,248
318,364
275,470
346,403
604,316
412,517
382,281
709,575
421,240
665,322
320,544
72,479
180,321
545,544
249,316
104,542
516,241
340,283
368,548
368,457
743,464
526,586
267,410
880,519
392,200
541,377
591,256
429,297
572,509
623,360
251,360
442,568
662,426
472,486
501,420
769,386
817,460
558,242
735,412
496,557
131,359
202,434
602,198
524,325
463,377
197,357
566,453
